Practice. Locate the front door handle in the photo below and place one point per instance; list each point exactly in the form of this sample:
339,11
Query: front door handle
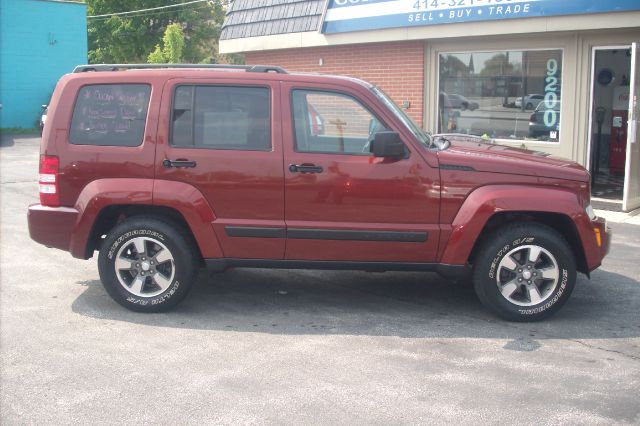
178,163
305,168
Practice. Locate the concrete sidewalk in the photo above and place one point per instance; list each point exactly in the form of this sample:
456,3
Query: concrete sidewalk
631,218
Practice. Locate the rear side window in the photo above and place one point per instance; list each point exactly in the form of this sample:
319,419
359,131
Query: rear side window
110,115
221,117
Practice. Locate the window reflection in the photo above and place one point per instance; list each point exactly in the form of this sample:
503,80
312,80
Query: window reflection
512,95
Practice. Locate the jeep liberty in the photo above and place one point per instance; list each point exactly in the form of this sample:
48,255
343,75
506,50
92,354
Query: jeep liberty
164,169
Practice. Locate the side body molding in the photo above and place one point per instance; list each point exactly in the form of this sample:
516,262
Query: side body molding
486,201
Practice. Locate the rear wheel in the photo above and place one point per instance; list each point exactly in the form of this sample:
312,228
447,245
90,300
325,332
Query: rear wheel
524,272
147,265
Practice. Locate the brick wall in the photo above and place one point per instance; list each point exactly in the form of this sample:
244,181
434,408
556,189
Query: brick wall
397,68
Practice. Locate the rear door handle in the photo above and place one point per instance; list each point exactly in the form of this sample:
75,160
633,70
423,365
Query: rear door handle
305,168
178,163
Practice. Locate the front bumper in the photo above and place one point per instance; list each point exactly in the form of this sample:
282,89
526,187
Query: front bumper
602,239
52,226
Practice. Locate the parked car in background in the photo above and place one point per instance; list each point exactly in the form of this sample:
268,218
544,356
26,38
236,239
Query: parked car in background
316,122
448,114
537,126
460,102
529,101
43,117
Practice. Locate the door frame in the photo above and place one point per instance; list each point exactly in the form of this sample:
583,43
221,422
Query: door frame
594,49
632,131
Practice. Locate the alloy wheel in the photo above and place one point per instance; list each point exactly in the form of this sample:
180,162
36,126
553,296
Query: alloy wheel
144,267
528,275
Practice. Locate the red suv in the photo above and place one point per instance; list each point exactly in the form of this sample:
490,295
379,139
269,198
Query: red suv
166,170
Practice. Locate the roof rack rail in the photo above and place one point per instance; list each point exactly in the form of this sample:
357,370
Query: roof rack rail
118,67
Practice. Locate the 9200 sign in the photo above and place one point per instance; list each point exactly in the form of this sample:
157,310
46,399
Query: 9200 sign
551,100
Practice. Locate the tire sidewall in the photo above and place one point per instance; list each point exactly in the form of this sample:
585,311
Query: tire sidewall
485,273
121,236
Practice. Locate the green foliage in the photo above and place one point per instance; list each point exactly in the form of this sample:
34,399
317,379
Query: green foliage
157,56
173,43
18,131
229,58
134,38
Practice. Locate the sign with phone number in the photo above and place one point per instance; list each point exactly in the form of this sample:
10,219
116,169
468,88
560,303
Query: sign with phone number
358,15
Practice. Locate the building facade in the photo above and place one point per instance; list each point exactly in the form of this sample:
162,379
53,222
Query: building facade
40,40
548,75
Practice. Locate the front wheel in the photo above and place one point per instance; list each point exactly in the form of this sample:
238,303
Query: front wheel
524,272
147,265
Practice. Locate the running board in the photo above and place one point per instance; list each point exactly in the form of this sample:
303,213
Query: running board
452,272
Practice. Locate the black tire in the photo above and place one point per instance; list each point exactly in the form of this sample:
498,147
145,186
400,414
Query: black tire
177,274
492,274
529,106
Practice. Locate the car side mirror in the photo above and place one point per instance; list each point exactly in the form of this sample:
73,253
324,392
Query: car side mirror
388,145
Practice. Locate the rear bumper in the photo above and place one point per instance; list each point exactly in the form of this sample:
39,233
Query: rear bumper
52,226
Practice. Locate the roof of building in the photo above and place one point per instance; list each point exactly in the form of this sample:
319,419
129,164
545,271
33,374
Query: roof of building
254,18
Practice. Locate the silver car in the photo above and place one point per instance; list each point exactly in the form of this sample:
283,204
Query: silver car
529,101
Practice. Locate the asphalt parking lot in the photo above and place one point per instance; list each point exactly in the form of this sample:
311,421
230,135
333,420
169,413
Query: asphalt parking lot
283,347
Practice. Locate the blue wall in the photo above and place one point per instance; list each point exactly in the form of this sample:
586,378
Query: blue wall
40,40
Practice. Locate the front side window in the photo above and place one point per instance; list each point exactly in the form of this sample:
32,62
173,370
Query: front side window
327,122
110,115
221,117
513,95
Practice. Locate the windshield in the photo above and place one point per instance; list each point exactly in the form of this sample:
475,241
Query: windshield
417,131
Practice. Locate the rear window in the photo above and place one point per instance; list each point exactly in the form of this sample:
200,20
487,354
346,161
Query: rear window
110,115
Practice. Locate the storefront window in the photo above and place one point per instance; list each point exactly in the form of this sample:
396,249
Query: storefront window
513,95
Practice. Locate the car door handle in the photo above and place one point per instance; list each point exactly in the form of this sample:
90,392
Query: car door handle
305,168
178,163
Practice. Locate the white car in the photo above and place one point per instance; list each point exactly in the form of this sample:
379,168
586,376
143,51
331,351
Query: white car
529,101
43,117
460,102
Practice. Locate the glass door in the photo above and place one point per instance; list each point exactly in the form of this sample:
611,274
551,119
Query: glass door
610,90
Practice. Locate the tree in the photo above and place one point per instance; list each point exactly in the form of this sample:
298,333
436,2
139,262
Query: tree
130,38
173,43
171,52
157,56
452,66
498,65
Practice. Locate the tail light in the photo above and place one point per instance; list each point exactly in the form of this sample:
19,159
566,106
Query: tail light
48,181
533,119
